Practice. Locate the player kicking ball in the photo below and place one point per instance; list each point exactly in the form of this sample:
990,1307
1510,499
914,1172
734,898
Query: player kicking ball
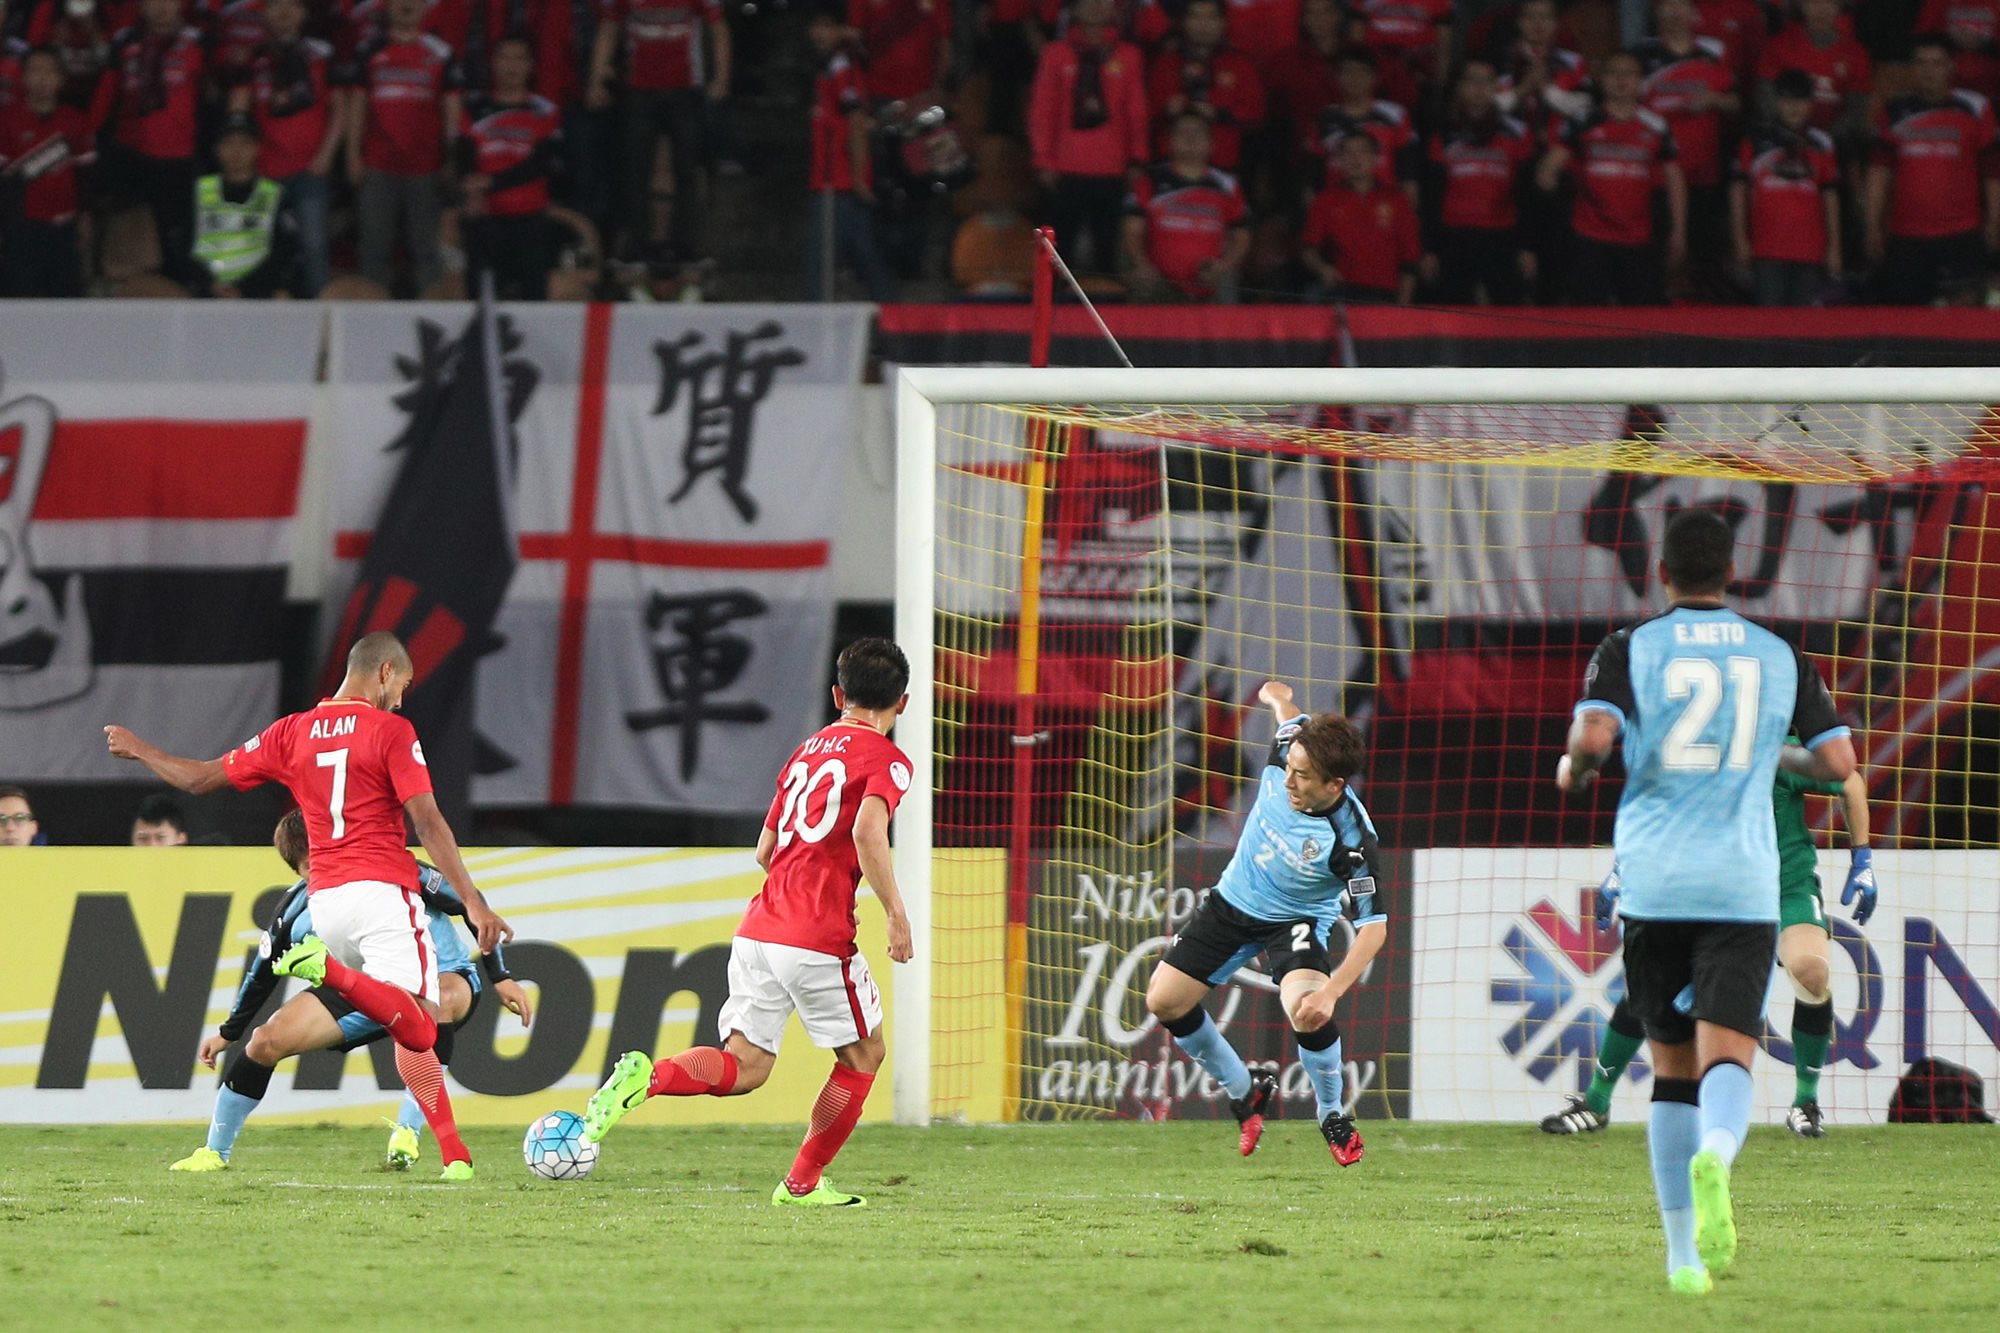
794,951
1701,700
1307,853
356,770
319,1020
1803,940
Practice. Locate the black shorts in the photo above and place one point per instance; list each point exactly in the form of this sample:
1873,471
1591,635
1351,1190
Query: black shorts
1221,939
1727,962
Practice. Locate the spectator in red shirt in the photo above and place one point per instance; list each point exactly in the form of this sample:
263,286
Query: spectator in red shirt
1361,239
82,40
1186,227
1784,201
1933,205
13,53
1262,29
406,113
1087,123
843,202
302,117
1973,29
1740,25
1417,31
1538,79
509,152
1359,111
908,45
1478,163
1620,155
44,145
1688,83
149,102
1838,65
1210,79
668,84
235,28
1305,77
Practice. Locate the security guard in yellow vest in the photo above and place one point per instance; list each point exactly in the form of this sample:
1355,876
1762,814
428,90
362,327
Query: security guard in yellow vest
243,244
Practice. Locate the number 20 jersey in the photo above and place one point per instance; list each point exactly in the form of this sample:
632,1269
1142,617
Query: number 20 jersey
808,896
1704,698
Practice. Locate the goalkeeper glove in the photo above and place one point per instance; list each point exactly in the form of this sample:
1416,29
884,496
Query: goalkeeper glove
1860,890
1608,894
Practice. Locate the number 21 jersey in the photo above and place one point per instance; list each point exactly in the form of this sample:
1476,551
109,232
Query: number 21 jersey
808,896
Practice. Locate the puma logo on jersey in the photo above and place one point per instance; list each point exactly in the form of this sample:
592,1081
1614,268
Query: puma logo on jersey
331,728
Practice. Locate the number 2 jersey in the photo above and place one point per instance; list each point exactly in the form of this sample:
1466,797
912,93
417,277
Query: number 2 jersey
808,896
350,766
1705,699
1291,865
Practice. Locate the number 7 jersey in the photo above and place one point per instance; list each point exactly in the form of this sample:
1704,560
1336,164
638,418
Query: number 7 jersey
808,896
1704,698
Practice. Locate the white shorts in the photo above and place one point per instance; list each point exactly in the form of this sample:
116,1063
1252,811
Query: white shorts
381,929
835,998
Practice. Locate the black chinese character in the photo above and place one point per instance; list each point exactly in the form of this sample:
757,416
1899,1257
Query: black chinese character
430,373
726,388
693,662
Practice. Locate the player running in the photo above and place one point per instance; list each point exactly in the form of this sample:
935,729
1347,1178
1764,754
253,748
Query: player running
318,1020
1703,699
1307,853
356,769
794,951
1803,937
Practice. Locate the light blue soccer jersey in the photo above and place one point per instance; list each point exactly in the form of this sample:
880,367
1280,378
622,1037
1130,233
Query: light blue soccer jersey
1705,698
1291,865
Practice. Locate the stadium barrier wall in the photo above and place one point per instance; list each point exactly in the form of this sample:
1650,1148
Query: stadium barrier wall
1513,982
121,960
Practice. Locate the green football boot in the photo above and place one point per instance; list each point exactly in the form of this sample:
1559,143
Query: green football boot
625,1089
823,1195
305,960
1691,1281
202,1159
1714,1219
457,1171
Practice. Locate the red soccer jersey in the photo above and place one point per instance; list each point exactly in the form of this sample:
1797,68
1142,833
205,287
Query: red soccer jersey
1387,123
512,143
1402,25
1261,29
1369,237
1226,82
1617,167
1787,176
1673,82
406,84
1839,70
1301,80
1938,152
350,767
235,34
808,896
901,38
1187,221
290,93
662,41
1482,165
44,153
1740,26
1562,91
1978,65
151,92
839,90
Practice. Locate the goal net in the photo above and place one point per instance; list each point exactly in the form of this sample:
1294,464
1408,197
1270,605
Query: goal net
1098,569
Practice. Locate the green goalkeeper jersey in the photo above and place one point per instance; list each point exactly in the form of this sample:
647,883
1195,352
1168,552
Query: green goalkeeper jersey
1798,859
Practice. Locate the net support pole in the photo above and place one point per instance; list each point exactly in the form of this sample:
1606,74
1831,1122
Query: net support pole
1027,736
916,631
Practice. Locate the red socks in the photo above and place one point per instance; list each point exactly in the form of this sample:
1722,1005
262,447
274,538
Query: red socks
834,1118
408,1023
703,1071
425,1078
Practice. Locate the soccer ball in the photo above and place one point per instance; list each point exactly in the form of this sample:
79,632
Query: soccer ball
555,1148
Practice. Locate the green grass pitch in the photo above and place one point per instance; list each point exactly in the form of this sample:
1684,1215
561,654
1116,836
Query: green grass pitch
1099,1226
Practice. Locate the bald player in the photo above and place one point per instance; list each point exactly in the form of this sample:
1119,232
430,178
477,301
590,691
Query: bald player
356,770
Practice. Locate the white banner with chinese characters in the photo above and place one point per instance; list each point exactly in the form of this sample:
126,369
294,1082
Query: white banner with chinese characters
676,484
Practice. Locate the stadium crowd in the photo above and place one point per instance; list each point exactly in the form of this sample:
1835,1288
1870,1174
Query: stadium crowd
1183,150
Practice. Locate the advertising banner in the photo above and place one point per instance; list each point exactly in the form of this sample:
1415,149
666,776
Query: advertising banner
122,959
1513,983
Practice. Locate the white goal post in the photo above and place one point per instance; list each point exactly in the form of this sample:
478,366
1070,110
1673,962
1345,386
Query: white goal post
921,392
